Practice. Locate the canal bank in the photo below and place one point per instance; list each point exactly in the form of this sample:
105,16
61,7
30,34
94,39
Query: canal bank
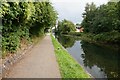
99,61
69,68
110,40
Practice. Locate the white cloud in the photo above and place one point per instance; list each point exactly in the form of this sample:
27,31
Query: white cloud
73,9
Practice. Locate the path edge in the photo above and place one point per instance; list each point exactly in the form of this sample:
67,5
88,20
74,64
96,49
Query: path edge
8,63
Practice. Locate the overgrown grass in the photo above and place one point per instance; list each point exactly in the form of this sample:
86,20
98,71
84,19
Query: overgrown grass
106,39
69,68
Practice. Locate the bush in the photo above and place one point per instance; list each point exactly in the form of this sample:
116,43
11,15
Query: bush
21,20
108,37
11,42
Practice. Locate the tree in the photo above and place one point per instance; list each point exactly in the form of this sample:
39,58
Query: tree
88,16
23,20
65,26
101,19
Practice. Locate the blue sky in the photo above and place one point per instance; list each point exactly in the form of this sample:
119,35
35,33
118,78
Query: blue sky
72,9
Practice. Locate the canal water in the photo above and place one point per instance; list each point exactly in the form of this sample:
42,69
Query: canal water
99,61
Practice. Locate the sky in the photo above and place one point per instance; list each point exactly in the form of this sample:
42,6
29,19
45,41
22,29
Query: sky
72,9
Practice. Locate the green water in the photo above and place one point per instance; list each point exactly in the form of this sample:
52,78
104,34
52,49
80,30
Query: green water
99,61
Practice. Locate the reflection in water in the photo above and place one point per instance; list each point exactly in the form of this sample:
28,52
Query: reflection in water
100,62
66,41
105,59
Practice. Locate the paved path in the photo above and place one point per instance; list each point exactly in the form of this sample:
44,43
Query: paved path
40,62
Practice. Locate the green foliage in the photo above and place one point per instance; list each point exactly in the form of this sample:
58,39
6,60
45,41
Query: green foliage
65,26
104,18
112,37
88,16
103,22
11,42
44,16
21,20
108,37
69,68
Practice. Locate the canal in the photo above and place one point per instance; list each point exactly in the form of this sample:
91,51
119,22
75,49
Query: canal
99,61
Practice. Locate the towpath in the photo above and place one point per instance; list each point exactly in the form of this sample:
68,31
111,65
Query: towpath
39,62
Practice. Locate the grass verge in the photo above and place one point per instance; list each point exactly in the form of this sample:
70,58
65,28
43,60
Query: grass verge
69,68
